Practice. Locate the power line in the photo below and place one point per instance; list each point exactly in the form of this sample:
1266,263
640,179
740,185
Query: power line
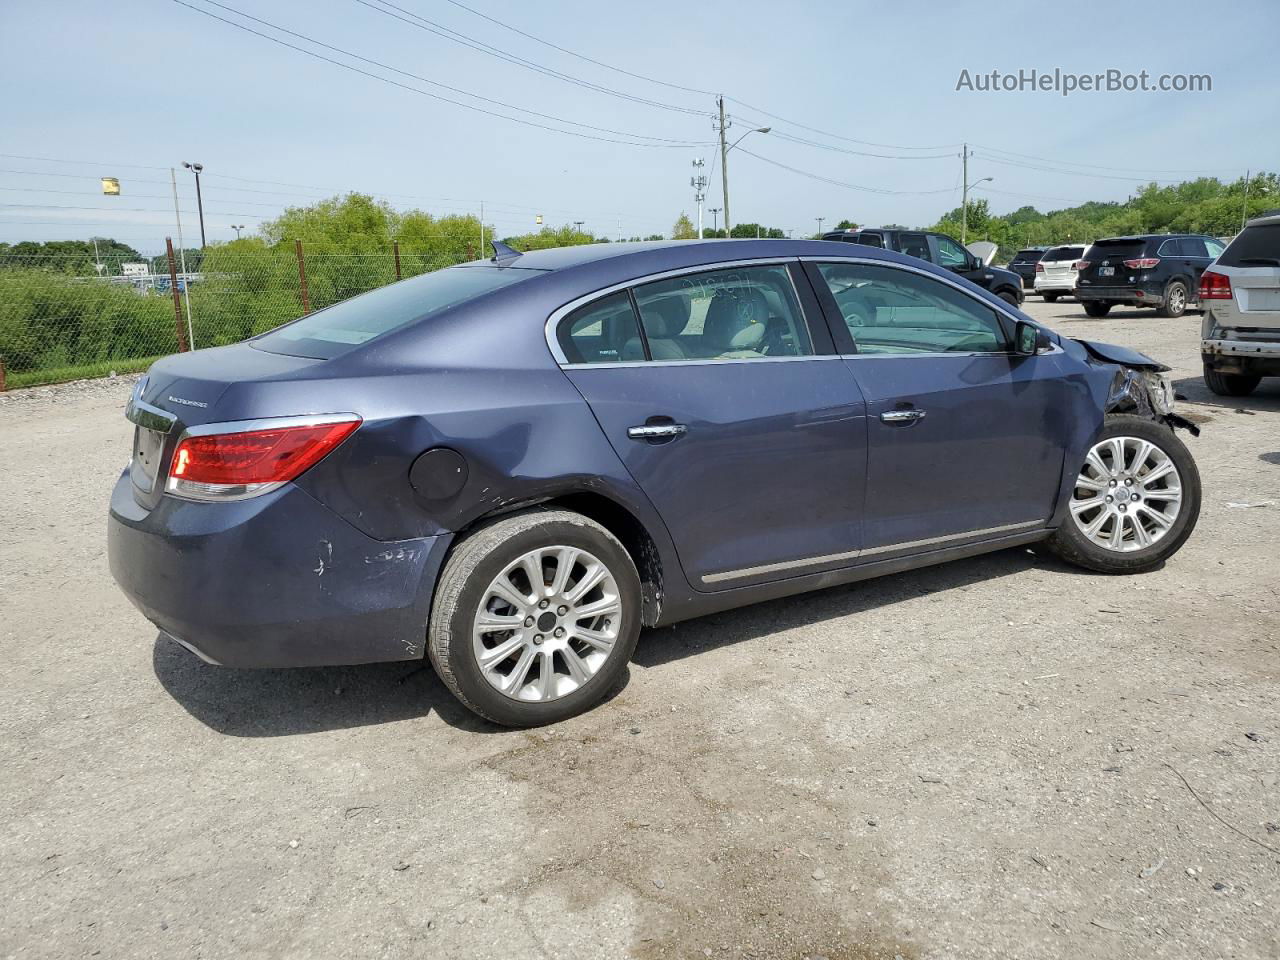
841,183
580,56
1072,173
430,26
425,93
434,83
827,133
1095,166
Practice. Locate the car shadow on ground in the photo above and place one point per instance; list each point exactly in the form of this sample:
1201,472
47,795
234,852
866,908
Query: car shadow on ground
1265,397
691,637
282,703
279,703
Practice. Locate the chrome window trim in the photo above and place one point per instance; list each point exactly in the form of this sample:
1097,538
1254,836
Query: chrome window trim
553,321
266,423
999,310
868,552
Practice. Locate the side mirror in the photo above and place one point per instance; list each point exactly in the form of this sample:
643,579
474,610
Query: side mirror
1028,339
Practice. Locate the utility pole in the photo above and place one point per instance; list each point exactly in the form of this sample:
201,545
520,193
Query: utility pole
481,229
1244,207
699,184
724,165
714,219
964,195
196,168
820,219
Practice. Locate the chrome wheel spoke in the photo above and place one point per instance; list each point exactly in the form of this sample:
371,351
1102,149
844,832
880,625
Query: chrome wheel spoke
1117,512
546,641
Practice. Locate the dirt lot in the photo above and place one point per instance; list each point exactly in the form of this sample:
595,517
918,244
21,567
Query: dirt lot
989,759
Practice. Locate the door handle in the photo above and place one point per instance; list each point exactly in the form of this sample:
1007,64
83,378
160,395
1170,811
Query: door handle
657,431
902,416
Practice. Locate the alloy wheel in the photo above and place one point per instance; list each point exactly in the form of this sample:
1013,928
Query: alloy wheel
1127,495
547,623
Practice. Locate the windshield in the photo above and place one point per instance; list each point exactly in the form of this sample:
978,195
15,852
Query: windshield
334,330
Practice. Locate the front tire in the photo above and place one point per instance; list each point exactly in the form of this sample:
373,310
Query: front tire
535,617
1230,384
1135,502
1096,308
1009,298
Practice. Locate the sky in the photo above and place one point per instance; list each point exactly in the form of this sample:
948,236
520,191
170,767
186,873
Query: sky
133,89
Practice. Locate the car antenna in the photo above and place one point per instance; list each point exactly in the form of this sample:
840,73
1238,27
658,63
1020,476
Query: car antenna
502,253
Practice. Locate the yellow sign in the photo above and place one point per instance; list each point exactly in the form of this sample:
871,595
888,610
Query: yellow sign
538,219
111,186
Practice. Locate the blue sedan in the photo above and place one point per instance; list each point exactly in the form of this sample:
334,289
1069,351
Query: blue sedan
513,465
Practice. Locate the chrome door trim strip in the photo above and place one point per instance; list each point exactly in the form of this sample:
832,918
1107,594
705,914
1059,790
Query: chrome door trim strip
553,321
932,541
869,552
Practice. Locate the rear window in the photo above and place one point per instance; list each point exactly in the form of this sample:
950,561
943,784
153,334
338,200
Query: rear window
868,239
1029,255
1256,246
334,330
1064,253
1126,247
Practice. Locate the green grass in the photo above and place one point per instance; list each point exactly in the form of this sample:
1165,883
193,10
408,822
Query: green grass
85,371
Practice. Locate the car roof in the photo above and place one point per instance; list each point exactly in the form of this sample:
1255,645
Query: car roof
650,255
1266,219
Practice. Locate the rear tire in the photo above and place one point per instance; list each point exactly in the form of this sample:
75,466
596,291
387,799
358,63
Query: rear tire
1050,297
551,671
1008,298
1230,384
1092,520
1096,308
1175,300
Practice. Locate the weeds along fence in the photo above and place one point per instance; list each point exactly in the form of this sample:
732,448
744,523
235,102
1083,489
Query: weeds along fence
67,318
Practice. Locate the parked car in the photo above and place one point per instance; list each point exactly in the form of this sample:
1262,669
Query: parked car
1240,293
1024,264
942,250
1155,270
1056,271
510,466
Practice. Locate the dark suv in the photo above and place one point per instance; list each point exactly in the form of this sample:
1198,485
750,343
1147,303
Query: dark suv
1024,264
1156,270
939,249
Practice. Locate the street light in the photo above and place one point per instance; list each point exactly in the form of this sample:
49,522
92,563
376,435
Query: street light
964,207
196,168
724,165
819,219
237,228
714,211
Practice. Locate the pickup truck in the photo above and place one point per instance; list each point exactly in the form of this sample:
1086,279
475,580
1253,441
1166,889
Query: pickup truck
940,249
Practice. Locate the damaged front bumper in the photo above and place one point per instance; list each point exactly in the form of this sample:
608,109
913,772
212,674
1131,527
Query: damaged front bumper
277,581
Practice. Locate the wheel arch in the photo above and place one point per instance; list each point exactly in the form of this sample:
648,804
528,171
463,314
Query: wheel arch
615,517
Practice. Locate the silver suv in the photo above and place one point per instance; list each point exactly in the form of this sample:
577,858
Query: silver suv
1240,296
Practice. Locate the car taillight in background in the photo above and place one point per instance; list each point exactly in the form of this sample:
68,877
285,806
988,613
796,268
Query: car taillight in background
237,461
1215,286
1039,267
1082,264
1143,263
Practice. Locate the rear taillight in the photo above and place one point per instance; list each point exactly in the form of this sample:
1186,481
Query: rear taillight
1215,286
1143,263
226,462
1082,264
1039,268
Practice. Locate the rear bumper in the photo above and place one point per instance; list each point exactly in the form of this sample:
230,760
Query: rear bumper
276,581
1136,293
1241,348
1054,286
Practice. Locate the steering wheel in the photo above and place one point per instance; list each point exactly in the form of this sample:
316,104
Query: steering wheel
854,317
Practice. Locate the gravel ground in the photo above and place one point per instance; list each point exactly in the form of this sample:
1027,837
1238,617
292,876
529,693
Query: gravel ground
999,757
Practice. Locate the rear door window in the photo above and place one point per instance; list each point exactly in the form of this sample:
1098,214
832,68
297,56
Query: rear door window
868,239
915,245
605,331
337,329
740,314
1255,246
1194,247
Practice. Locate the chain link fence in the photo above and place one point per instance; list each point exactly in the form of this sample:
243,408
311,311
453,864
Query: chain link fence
72,317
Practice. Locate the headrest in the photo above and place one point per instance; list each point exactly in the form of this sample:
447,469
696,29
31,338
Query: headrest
731,313
665,316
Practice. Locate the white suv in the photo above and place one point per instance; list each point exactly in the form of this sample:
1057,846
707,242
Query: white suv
1240,296
1056,271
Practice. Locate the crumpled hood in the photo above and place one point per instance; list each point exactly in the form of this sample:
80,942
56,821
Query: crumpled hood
1111,353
